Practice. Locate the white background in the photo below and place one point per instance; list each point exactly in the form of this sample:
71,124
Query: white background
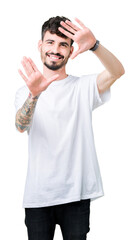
115,24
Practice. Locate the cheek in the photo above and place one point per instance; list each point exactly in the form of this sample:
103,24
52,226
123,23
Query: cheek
46,48
66,53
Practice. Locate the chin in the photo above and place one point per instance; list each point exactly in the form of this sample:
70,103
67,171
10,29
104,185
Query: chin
52,67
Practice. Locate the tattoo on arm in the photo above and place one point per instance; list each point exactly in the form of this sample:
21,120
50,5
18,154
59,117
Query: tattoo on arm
25,113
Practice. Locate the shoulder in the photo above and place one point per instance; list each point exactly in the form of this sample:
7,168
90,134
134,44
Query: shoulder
89,81
89,76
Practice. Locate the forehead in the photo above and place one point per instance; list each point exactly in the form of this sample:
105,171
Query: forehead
55,38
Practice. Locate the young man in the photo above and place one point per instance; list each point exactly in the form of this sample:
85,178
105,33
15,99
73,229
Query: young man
56,110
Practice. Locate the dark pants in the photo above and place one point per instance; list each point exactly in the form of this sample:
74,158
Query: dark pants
73,218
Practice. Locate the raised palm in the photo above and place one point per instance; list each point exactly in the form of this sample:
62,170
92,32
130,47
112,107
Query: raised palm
82,36
36,82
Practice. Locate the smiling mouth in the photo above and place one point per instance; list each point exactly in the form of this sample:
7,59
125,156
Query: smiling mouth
54,57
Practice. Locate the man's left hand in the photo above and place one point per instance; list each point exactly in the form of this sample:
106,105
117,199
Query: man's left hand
82,36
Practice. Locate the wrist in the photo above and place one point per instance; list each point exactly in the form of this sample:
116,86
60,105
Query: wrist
33,97
96,45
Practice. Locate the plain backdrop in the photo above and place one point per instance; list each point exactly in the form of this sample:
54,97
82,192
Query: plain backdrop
115,24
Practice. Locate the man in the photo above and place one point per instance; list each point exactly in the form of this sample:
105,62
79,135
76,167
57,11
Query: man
56,110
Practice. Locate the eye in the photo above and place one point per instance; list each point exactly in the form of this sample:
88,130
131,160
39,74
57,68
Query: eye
64,45
49,43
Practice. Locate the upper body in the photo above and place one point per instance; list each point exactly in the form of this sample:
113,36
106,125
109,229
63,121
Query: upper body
62,163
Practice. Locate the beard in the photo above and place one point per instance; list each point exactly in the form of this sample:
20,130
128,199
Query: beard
54,65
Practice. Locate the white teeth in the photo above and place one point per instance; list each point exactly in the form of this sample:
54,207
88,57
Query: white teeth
54,57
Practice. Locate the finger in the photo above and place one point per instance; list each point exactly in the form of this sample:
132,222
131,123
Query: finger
45,84
33,65
74,54
72,25
27,66
23,76
69,35
80,23
53,78
68,27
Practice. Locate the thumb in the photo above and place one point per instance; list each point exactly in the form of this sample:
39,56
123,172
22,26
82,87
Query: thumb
53,78
74,54
45,84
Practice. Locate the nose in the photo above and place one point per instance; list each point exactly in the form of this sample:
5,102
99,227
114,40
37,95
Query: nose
55,48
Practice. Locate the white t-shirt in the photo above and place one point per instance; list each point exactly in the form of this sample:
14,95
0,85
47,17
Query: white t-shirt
62,161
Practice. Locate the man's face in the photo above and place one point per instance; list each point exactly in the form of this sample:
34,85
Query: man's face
55,51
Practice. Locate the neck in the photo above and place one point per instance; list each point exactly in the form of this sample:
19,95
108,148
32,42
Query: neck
49,73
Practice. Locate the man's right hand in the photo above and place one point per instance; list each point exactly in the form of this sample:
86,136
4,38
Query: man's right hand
36,82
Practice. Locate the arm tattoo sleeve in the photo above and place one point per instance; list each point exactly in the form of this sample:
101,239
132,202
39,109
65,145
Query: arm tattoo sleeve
25,113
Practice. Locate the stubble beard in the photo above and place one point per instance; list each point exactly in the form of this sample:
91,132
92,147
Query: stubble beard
54,66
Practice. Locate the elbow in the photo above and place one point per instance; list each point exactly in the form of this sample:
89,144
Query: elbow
20,128
121,72
118,75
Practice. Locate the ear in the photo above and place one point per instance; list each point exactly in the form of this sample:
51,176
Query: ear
39,45
71,50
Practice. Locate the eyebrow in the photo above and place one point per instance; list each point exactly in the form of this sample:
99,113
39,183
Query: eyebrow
54,41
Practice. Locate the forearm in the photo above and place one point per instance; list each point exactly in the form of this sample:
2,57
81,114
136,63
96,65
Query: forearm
25,114
110,62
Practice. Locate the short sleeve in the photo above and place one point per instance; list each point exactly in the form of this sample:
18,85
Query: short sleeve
97,99
20,97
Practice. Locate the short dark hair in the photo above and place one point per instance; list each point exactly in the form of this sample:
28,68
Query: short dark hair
52,26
